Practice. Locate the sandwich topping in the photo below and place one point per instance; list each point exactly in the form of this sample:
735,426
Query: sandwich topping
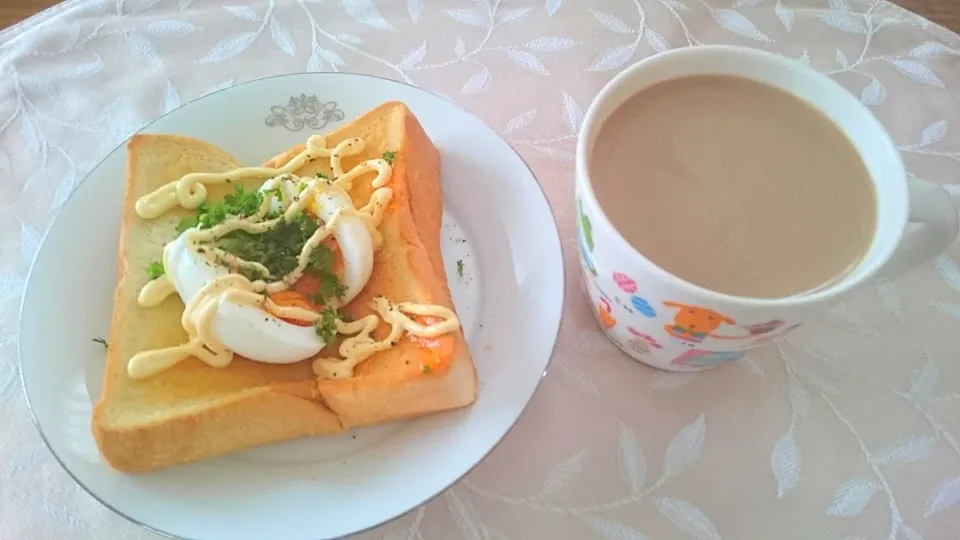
262,273
358,348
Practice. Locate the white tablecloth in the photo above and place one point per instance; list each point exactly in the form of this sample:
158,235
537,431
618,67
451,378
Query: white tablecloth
848,429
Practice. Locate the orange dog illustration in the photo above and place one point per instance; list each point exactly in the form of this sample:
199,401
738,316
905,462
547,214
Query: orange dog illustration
605,311
693,323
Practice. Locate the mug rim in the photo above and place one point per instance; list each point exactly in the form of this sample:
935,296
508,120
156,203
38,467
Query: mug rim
591,125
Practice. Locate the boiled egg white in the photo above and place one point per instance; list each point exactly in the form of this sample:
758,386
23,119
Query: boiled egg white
252,332
351,233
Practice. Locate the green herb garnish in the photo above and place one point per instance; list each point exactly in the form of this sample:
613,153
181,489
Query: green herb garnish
278,249
250,273
460,268
426,369
276,192
326,325
321,266
321,175
101,341
389,155
240,203
155,269
188,222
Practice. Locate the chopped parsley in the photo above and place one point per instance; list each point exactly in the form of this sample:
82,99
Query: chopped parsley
326,325
188,222
277,249
101,341
276,192
240,203
321,266
389,155
155,269
460,268
323,176
426,369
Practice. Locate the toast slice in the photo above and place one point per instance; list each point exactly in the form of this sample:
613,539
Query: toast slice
192,411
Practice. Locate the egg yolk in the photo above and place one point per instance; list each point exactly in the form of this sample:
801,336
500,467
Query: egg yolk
291,298
306,288
436,353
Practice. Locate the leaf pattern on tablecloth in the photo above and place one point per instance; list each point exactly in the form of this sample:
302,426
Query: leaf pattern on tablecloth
907,450
785,463
170,28
890,298
688,518
563,473
366,12
243,12
923,380
852,497
949,271
945,495
684,449
610,450
611,530
229,47
633,463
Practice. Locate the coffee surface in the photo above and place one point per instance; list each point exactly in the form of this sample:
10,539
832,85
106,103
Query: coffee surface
735,186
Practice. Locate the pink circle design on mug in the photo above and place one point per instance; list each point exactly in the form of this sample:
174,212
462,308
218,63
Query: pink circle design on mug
650,340
625,282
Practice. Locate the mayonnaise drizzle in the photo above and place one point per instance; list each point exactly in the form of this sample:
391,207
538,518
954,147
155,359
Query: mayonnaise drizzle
198,237
155,292
358,348
199,313
197,320
291,313
190,190
372,213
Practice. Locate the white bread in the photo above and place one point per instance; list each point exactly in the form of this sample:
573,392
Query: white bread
193,411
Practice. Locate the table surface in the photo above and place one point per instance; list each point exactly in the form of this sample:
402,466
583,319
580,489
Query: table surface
848,428
944,12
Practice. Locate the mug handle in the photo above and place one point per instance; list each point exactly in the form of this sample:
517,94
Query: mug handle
932,209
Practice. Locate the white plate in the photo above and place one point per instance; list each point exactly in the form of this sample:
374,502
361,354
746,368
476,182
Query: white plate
496,220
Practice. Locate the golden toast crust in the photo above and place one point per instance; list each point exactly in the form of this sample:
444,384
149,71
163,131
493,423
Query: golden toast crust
193,411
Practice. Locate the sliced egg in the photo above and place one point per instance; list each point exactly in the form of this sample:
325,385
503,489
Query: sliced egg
248,331
252,332
354,240
351,233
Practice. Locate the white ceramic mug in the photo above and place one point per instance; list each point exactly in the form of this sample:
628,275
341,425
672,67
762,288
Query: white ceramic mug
665,322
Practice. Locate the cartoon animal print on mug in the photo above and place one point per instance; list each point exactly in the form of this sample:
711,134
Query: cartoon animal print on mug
646,338
692,324
640,346
605,313
698,358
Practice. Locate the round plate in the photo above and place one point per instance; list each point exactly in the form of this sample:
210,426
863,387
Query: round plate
509,295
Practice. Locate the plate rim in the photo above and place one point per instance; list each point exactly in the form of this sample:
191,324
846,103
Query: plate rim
145,128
